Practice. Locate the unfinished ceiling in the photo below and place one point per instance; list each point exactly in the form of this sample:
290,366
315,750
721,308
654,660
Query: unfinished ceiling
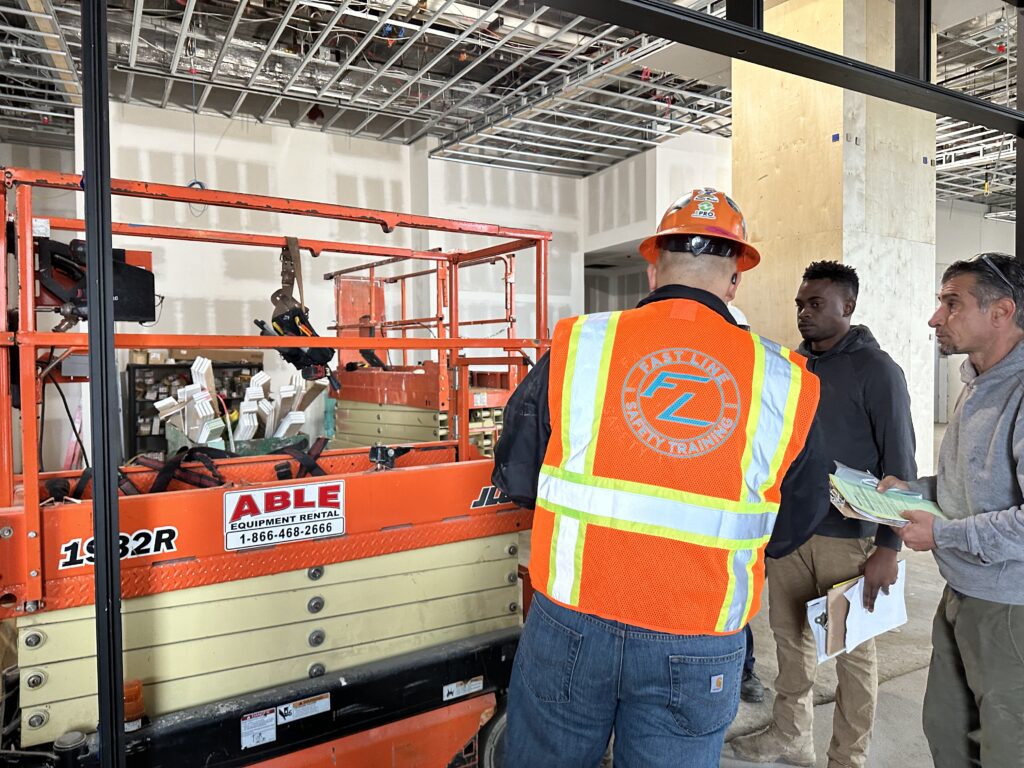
975,163
501,82
508,83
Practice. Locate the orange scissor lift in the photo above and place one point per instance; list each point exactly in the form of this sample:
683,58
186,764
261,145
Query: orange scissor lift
381,637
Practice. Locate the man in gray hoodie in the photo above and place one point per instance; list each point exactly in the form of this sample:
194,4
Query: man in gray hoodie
974,702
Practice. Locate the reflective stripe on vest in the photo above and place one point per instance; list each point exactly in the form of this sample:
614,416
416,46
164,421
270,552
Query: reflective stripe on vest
769,428
577,498
586,374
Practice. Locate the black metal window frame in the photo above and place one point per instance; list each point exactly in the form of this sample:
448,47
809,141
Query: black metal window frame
739,36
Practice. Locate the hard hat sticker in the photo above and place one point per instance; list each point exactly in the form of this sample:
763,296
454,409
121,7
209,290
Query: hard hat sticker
699,214
681,402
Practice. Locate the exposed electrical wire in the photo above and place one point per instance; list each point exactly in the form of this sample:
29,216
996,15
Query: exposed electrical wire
159,312
42,420
71,419
195,183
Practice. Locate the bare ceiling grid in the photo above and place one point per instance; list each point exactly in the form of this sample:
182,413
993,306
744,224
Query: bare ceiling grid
972,162
504,83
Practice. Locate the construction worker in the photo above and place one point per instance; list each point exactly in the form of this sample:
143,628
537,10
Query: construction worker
656,444
974,701
864,417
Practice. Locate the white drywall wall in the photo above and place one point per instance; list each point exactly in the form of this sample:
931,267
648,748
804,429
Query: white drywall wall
211,288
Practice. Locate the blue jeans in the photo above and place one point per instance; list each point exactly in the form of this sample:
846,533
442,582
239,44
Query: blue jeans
576,677
748,659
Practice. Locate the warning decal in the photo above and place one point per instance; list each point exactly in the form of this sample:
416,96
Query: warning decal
267,516
462,688
297,710
259,728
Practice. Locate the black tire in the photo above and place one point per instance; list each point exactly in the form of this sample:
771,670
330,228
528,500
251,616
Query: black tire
492,739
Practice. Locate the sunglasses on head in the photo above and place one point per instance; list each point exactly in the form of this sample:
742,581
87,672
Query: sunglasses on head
986,260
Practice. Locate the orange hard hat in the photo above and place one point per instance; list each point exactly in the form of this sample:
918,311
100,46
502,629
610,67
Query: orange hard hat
705,213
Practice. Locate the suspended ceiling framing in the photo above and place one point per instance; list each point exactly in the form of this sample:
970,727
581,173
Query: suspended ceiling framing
507,83
972,162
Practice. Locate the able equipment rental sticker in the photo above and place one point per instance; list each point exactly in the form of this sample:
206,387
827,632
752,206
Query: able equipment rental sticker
267,516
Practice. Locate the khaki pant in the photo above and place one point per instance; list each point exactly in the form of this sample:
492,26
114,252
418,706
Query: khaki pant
974,703
803,575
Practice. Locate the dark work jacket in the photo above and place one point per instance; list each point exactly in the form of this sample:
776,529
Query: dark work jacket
864,415
527,427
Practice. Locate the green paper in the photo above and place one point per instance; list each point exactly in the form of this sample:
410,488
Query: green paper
886,506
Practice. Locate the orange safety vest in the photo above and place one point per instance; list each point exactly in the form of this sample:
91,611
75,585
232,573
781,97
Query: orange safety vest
671,432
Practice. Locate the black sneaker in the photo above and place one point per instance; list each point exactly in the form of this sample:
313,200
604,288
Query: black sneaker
751,688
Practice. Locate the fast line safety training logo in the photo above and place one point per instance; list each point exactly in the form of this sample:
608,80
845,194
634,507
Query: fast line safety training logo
681,402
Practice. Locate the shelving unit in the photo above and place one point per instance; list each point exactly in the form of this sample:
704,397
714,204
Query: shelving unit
145,384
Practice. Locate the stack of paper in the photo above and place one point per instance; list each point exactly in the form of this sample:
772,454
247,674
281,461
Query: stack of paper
855,494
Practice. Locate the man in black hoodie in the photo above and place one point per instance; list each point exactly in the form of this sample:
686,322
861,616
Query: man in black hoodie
864,417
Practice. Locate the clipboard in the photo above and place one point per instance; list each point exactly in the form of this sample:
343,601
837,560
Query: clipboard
838,608
832,616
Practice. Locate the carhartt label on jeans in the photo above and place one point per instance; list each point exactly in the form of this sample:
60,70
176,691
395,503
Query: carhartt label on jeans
717,683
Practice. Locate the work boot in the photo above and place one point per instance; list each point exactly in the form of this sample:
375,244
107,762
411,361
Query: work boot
752,689
770,746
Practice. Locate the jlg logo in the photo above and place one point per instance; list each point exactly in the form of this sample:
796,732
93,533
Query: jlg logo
490,496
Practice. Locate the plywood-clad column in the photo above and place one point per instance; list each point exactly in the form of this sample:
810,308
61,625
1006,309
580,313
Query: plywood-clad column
823,173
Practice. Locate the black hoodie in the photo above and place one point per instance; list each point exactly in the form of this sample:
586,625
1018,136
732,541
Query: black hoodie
864,416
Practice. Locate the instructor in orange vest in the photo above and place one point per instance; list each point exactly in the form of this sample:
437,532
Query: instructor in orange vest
660,447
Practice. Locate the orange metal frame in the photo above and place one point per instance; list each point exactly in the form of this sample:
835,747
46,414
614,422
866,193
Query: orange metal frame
35,540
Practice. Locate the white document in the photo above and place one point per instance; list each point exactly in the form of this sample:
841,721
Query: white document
890,610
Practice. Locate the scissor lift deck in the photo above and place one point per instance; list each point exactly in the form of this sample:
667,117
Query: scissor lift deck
391,571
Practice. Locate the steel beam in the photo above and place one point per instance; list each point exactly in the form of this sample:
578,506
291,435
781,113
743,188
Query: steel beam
484,86
271,46
494,48
103,400
367,39
465,35
228,36
317,44
727,38
914,38
179,47
402,49
133,47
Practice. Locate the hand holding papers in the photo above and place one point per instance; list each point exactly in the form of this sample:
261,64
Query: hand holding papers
855,494
890,610
840,622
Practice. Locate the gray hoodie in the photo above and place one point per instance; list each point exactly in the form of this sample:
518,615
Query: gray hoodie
980,549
